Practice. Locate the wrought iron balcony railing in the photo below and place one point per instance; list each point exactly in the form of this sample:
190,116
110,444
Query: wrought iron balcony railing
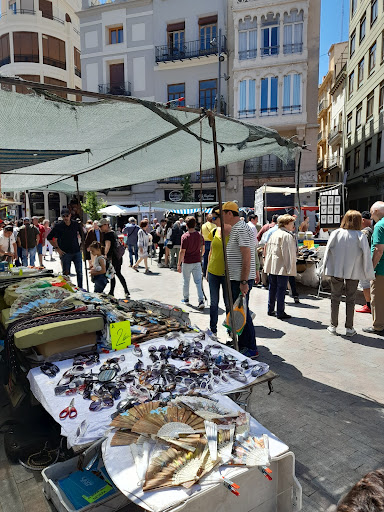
293,48
208,176
116,89
189,50
292,109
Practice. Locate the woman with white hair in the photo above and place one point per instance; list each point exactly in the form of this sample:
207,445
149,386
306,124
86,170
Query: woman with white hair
131,231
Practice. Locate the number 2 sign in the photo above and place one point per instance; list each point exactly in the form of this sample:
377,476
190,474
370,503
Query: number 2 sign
120,334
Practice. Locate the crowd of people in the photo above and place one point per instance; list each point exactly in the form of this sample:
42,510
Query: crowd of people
354,255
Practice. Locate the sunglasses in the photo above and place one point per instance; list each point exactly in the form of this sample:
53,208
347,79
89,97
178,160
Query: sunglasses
49,369
102,403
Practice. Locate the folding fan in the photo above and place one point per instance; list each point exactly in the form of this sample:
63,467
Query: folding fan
123,438
175,467
211,433
169,422
251,451
225,443
129,418
204,407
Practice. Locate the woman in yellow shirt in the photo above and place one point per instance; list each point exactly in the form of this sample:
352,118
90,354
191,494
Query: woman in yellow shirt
216,269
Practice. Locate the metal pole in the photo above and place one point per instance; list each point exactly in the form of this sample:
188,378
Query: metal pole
218,97
76,178
212,124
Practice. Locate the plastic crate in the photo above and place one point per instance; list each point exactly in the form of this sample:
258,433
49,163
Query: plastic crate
60,470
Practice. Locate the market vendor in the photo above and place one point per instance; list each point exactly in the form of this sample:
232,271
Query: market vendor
8,247
64,237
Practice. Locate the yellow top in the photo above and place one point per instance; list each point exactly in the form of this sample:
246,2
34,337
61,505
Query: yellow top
216,265
206,230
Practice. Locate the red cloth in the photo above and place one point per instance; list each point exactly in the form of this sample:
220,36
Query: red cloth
192,243
42,233
264,229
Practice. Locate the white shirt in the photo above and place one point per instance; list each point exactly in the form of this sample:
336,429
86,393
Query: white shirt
240,236
254,231
6,244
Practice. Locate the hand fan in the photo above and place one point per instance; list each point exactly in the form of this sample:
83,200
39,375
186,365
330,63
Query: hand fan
129,418
204,407
186,442
242,423
225,443
211,433
181,420
251,451
141,452
123,438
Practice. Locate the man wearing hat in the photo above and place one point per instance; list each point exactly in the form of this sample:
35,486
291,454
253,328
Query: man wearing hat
366,285
8,248
65,237
27,239
242,270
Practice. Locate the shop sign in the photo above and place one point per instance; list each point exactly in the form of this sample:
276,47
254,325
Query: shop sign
331,207
209,196
173,195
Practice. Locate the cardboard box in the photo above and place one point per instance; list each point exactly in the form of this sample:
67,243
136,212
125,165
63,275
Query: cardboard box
66,344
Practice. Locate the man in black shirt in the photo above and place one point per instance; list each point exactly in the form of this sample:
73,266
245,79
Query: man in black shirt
64,237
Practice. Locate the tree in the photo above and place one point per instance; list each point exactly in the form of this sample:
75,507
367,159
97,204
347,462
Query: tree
92,205
187,188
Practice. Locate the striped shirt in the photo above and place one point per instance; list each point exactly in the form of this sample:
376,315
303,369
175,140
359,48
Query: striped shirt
240,236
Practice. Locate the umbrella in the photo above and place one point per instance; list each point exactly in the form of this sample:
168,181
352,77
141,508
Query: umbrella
115,210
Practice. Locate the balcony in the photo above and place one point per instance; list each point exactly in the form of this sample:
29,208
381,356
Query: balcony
189,50
271,167
266,51
53,62
207,176
247,54
25,57
323,105
270,111
247,113
335,134
116,89
332,162
32,12
293,109
321,137
78,72
5,61
293,48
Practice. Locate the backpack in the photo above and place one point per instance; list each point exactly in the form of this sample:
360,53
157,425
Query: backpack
119,248
155,236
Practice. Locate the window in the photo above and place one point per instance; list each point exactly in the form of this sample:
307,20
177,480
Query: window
372,58
357,160
54,52
352,43
292,94
367,153
5,55
293,32
353,6
379,150
25,47
349,123
268,101
117,84
25,90
348,164
360,74
207,93
208,31
351,81
382,46
12,7
359,110
76,54
370,100
363,23
116,35
176,36
55,81
270,35
374,11
176,91
45,6
247,38
247,98
381,97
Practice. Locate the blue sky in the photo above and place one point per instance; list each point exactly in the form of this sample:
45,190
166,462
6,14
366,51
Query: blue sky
331,30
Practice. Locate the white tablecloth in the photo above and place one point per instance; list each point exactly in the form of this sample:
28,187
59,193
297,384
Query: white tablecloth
98,422
121,468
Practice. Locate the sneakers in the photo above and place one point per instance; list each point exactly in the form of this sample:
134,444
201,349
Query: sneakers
161,265
331,329
271,313
350,332
249,352
185,301
128,295
147,271
201,305
284,316
371,330
296,299
363,309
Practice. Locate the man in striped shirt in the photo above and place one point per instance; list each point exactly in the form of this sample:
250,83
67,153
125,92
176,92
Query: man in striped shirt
242,270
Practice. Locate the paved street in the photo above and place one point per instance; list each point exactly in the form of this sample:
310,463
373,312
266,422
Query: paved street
327,404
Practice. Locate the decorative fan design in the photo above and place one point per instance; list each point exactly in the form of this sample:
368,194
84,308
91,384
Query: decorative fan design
251,451
124,438
130,417
38,301
211,432
225,444
242,423
186,442
205,408
174,467
153,422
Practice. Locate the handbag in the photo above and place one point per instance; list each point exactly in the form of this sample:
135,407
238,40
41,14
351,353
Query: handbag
119,248
110,273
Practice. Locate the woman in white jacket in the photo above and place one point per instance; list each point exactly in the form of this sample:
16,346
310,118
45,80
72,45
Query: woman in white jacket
280,263
347,259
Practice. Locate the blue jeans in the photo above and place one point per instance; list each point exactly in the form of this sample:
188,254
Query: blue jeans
277,288
292,284
133,250
214,290
32,256
207,245
100,282
66,261
195,270
247,338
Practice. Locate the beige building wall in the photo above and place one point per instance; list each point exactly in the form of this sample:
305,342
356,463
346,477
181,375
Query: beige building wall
364,151
260,60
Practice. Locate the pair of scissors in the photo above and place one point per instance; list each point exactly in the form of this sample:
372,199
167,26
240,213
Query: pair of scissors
69,411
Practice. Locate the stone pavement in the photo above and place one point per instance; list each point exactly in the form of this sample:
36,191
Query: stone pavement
328,404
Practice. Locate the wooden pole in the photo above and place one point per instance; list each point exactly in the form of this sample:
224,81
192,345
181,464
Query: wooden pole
212,124
76,178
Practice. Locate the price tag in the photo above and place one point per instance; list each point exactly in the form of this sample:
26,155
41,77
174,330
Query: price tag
120,334
309,244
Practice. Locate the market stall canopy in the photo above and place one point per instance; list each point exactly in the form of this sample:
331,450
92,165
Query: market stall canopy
126,142
11,159
292,190
115,210
181,207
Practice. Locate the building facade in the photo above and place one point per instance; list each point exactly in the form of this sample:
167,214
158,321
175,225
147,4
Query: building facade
363,148
40,41
274,68
331,116
160,50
